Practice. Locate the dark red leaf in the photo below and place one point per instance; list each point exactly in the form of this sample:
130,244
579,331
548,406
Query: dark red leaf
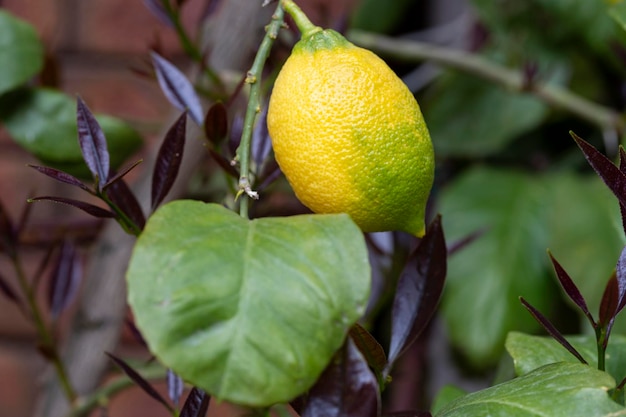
139,380
123,197
620,272
608,172
347,388
157,9
224,164
571,289
196,404
93,144
370,348
65,279
463,242
609,303
552,331
177,88
261,144
175,386
86,207
168,160
8,292
216,124
62,177
8,234
136,333
419,290
622,168
122,173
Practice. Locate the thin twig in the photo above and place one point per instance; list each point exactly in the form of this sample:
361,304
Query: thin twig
556,96
253,78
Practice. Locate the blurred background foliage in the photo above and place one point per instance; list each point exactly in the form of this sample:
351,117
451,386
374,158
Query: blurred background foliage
507,166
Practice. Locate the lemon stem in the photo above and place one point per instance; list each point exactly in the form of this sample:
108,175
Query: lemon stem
302,21
253,78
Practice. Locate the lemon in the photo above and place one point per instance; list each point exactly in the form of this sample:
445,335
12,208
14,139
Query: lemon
349,135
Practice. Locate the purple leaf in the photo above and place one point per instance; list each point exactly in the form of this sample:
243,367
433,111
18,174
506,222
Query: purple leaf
66,276
620,272
419,290
139,380
224,164
122,173
347,388
463,242
196,404
608,306
62,177
571,289
123,197
157,9
552,331
93,144
168,160
175,386
8,292
608,172
8,235
136,333
177,88
86,207
370,348
622,168
261,143
216,124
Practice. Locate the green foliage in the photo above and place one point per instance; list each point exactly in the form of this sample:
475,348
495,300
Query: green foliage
522,216
469,133
555,390
532,352
43,121
251,311
21,52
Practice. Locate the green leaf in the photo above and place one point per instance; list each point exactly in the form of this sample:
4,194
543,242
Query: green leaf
250,311
560,389
446,395
486,278
470,117
618,13
21,52
586,234
532,352
43,121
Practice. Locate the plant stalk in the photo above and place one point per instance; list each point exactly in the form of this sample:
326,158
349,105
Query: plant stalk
47,343
412,51
253,78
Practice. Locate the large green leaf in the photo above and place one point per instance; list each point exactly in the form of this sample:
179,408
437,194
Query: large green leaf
486,278
43,121
21,52
470,117
560,389
532,352
250,311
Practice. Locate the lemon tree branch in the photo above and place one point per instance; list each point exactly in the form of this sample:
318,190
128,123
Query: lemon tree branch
412,51
254,108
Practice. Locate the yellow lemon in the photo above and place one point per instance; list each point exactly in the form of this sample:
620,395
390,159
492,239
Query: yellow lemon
349,135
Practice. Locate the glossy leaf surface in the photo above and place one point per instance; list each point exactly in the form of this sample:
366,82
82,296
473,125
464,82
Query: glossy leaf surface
43,122
347,388
93,144
21,52
419,289
177,88
196,404
530,352
555,390
168,160
250,311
